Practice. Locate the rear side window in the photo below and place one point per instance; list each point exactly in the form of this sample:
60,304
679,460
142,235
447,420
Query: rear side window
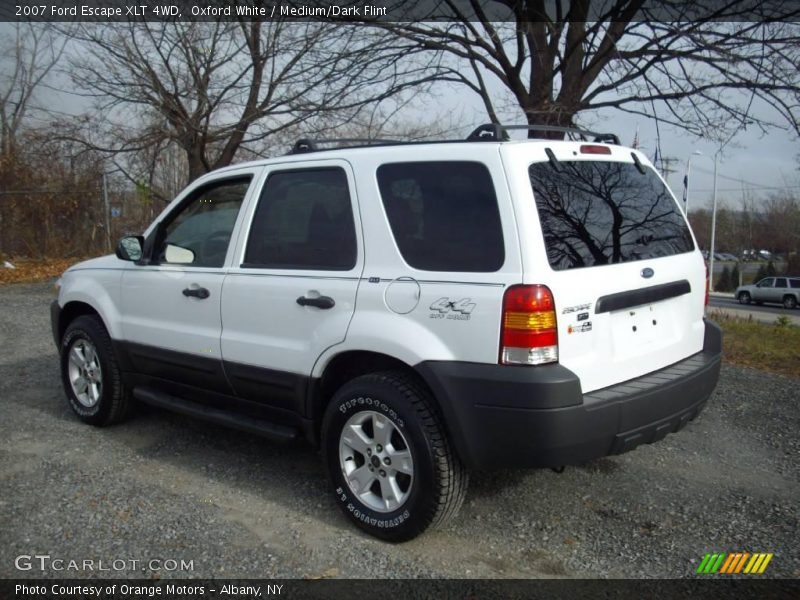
304,220
443,215
795,283
780,283
600,213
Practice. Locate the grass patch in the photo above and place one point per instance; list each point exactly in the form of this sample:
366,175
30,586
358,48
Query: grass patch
773,347
32,270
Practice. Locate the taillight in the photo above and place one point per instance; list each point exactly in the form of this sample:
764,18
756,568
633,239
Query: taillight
529,335
707,283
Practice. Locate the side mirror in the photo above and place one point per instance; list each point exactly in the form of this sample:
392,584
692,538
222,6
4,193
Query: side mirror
130,248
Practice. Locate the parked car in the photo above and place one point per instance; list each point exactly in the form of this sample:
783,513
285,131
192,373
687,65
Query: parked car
778,290
416,310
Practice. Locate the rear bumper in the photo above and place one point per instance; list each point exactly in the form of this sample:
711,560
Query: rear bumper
501,416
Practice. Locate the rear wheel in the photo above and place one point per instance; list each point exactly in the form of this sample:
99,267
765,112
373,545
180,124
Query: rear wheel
789,301
744,298
393,471
90,374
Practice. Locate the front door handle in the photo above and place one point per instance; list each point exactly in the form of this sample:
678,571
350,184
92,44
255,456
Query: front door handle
200,292
323,302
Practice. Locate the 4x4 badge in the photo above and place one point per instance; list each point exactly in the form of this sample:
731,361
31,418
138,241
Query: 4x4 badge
443,306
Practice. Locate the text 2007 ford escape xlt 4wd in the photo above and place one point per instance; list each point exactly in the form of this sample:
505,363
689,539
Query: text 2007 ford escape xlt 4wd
418,310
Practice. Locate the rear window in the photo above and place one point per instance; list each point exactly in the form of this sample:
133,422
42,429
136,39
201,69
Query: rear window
600,213
443,215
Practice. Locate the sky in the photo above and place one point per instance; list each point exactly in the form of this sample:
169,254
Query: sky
751,160
760,164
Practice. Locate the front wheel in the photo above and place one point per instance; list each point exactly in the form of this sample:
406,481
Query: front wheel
90,374
744,298
393,471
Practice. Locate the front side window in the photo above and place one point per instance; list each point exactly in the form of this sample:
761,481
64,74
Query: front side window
443,215
304,220
200,232
599,213
767,283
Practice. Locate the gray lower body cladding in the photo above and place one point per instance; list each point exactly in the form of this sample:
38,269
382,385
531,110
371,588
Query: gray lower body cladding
505,416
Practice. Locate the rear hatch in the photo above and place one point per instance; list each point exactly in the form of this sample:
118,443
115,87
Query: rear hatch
604,233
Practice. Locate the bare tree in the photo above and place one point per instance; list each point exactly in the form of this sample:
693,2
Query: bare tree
558,59
31,55
782,213
212,89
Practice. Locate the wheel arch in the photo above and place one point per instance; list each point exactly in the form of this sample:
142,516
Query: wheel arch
74,309
345,367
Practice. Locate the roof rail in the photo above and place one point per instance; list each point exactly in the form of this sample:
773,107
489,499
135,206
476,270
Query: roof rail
304,145
489,132
496,132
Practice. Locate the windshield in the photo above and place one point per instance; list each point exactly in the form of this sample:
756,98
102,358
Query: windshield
600,213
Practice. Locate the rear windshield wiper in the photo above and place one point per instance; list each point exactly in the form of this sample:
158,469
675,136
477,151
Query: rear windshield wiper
638,163
553,160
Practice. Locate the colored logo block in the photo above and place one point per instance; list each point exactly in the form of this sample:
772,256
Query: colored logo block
734,563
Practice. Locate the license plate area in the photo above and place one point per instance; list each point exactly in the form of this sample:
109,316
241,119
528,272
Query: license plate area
637,328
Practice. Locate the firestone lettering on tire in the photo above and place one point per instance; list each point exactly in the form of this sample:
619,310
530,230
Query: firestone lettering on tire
374,404
361,516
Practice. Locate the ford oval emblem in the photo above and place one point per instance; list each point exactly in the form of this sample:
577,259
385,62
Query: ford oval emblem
647,273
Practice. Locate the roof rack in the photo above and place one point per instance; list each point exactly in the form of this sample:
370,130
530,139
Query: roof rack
495,132
308,145
490,132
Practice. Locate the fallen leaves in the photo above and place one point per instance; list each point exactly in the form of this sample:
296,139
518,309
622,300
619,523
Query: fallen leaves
30,270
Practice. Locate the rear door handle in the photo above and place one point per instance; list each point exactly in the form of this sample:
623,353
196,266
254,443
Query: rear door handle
323,302
200,292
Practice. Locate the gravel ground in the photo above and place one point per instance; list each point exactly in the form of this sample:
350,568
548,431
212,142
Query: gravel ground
166,487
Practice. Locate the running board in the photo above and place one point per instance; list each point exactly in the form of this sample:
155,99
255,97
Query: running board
272,431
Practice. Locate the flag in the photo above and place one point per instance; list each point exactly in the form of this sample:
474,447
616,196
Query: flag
685,187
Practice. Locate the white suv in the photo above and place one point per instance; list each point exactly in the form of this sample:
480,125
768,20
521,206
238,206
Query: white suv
416,309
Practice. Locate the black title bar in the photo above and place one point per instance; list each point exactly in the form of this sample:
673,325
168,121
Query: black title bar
392,10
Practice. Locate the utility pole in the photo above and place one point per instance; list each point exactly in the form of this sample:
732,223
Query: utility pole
107,210
713,225
666,166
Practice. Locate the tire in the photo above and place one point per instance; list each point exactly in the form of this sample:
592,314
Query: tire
90,374
789,302
744,298
424,486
